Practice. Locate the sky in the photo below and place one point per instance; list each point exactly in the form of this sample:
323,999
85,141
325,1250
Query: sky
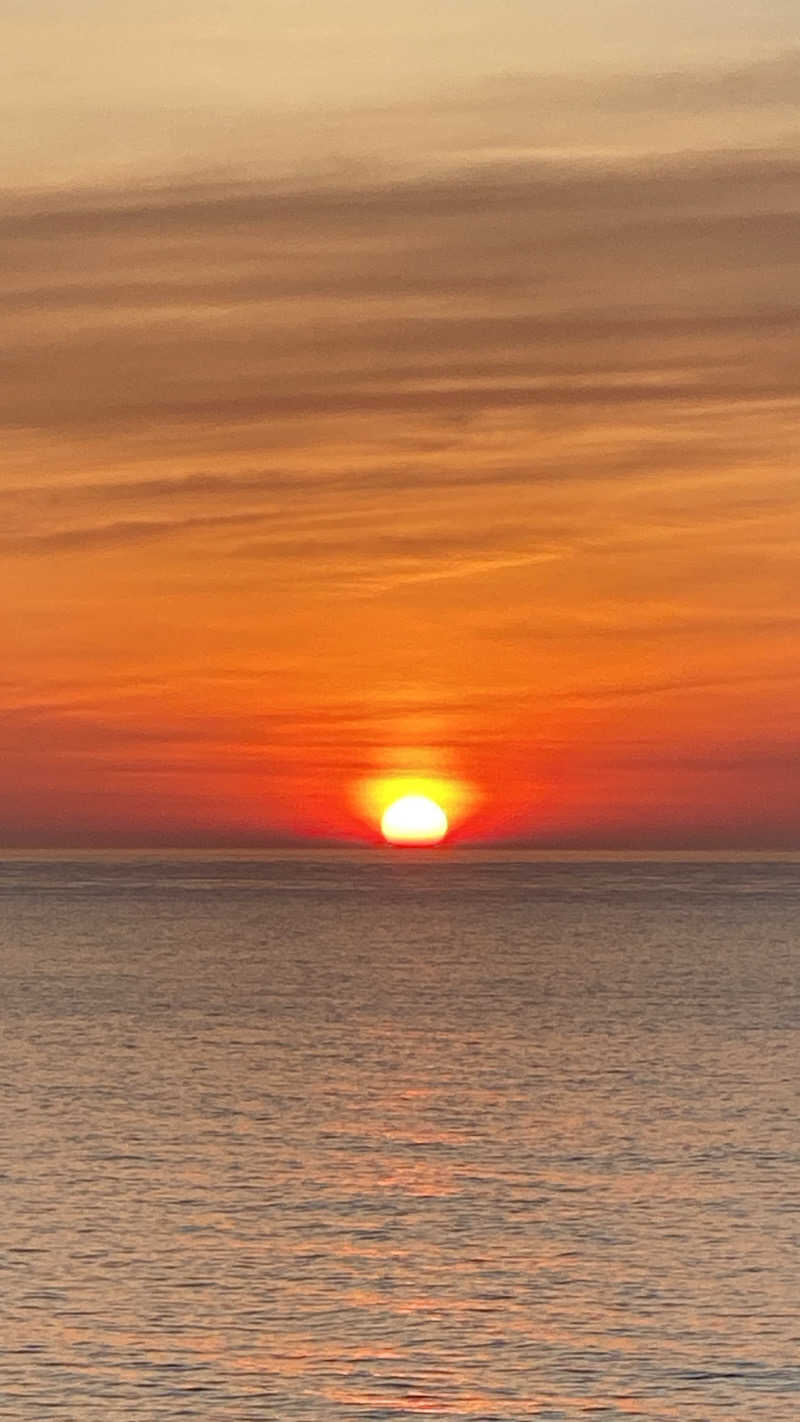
400,397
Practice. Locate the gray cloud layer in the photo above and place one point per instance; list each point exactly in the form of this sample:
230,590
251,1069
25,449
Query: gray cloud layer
517,287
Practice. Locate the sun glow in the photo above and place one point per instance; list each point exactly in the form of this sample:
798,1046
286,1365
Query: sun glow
415,820
422,806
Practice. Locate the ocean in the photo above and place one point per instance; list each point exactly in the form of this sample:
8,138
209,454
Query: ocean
341,1137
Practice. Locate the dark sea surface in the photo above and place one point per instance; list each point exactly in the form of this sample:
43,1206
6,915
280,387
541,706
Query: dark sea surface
329,1138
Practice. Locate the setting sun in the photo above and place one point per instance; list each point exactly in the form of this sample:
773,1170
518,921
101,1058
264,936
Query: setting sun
414,820
420,807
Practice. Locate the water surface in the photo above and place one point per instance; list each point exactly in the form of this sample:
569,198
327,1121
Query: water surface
329,1138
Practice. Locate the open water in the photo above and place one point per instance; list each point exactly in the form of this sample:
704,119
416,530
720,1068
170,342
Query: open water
329,1138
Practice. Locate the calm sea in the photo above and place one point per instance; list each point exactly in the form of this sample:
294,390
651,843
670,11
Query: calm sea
329,1138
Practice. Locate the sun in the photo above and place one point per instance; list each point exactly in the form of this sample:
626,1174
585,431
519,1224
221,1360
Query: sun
414,820
417,805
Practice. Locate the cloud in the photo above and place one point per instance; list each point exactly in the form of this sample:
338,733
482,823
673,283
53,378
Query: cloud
519,185
679,685
762,84
524,289
372,542
115,535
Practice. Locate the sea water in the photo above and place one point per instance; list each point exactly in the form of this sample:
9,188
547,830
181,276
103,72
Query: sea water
336,1137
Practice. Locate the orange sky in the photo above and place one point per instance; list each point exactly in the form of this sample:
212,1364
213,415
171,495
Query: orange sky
450,436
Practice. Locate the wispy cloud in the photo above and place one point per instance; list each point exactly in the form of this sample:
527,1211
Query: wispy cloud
577,300
103,537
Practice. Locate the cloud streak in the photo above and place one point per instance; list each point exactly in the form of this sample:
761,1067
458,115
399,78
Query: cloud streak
553,310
